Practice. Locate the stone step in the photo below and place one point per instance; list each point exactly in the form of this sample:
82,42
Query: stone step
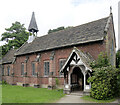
78,93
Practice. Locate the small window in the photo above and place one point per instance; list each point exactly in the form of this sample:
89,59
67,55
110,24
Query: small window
2,70
33,68
46,68
22,69
61,63
8,69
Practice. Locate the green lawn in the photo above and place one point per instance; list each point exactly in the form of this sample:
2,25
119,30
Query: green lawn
19,94
95,100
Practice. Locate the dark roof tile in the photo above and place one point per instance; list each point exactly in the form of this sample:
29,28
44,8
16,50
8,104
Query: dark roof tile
9,57
89,32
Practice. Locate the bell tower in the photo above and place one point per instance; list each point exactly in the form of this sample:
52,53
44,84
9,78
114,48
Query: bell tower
33,25
32,29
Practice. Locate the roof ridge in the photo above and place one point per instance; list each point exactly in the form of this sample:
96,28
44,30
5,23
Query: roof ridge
93,21
73,27
84,33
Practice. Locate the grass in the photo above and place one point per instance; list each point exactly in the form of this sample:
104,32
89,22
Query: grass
19,94
95,100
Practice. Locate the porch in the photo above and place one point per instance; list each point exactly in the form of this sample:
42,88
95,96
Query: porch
76,73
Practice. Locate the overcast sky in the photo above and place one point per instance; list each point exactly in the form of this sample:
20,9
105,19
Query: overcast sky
51,14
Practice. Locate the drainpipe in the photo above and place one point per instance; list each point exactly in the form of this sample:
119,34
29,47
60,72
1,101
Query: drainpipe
26,72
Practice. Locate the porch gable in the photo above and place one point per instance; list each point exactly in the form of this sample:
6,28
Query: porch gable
77,57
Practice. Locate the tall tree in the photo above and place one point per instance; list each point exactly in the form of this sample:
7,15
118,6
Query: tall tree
118,59
16,36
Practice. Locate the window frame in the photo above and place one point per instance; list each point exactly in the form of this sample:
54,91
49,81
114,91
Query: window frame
33,70
22,68
48,68
8,70
2,67
60,60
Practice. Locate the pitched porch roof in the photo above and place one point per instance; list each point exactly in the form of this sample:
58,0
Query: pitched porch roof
84,58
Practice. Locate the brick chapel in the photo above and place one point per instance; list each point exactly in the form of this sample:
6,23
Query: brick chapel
64,56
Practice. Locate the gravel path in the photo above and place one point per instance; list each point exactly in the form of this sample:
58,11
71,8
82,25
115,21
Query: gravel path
76,99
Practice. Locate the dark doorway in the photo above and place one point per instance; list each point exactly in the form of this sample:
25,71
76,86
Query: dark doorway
77,80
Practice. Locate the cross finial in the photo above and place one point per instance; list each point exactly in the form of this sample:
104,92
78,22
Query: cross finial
110,9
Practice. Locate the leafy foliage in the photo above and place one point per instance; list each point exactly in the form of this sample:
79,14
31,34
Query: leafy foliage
55,30
4,49
105,80
88,98
0,52
102,61
16,36
57,81
105,83
4,82
118,59
118,82
58,29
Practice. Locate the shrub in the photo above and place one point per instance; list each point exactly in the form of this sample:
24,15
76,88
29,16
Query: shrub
118,59
57,82
102,61
105,83
118,83
105,80
4,82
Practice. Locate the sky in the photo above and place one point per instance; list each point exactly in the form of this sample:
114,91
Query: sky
51,14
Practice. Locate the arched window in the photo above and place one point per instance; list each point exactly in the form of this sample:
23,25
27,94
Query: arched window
46,68
61,63
8,70
33,68
22,68
2,70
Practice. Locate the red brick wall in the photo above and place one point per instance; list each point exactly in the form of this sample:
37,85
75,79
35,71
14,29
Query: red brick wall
63,53
8,79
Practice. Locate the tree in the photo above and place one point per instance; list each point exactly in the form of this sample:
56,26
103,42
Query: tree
55,30
118,59
58,29
102,61
16,36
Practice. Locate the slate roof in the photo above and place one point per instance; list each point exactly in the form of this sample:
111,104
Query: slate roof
9,57
89,32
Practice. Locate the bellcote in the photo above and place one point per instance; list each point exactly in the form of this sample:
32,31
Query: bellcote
32,28
33,25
